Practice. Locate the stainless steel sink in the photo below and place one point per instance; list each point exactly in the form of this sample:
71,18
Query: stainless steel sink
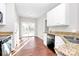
72,39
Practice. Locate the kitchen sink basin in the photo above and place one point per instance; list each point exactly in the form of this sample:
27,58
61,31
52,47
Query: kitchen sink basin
72,39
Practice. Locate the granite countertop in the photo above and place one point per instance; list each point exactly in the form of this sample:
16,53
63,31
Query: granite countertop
64,33
4,38
5,33
69,48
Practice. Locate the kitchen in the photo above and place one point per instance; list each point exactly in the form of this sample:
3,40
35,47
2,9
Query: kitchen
56,21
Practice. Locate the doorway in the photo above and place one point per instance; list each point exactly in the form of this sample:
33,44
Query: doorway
27,29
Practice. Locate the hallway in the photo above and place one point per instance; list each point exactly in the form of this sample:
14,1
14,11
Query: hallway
35,48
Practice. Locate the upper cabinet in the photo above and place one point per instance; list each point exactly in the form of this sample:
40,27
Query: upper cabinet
2,13
57,16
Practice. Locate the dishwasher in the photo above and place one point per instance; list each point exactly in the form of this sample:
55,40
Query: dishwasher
51,42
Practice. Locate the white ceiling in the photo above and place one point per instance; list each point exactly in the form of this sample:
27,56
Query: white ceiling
34,10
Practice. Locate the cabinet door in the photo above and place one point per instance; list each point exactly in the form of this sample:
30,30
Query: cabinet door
56,16
50,18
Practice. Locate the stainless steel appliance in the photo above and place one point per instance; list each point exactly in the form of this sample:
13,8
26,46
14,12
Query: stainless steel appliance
51,42
5,45
1,17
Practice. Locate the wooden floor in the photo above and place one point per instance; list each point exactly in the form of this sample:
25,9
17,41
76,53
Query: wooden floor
35,48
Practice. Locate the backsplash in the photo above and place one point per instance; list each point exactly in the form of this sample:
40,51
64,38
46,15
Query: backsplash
62,29
57,29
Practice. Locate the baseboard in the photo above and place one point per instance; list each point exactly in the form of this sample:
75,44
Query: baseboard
30,36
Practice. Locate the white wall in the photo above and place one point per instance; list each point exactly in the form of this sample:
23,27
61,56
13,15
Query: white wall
72,14
41,26
78,19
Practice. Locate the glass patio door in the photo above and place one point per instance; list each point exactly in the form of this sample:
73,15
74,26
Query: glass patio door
28,29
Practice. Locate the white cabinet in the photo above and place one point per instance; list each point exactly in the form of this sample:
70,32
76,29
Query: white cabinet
45,39
58,41
2,13
56,16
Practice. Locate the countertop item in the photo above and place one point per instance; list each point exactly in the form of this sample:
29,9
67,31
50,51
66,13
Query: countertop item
72,39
